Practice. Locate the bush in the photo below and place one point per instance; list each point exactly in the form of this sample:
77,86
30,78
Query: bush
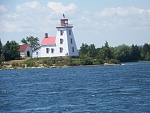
30,63
86,61
98,62
114,61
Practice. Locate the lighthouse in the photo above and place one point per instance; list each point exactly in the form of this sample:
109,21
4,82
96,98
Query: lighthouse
65,41
63,44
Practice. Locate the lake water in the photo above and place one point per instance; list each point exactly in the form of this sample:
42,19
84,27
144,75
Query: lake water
87,89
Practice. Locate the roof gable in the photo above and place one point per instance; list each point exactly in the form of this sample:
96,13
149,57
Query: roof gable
23,47
49,40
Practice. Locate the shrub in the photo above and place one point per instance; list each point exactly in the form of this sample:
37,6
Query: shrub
86,61
114,61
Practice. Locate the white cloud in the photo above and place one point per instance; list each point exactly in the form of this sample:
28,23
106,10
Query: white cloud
28,5
113,11
34,17
11,15
3,8
59,8
8,27
131,17
122,11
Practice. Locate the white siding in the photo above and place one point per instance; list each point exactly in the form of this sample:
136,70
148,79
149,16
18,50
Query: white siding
66,45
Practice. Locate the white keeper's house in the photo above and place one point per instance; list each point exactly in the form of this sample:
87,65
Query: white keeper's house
63,44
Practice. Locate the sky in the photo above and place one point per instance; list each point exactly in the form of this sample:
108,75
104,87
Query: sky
94,21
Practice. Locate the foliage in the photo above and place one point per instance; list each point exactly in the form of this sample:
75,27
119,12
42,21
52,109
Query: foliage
122,53
88,50
86,60
135,53
33,41
105,52
47,61
145,54
30,63
11,51
1,47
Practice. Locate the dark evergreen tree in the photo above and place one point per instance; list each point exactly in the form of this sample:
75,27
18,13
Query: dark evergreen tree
1,47
11,50
135,53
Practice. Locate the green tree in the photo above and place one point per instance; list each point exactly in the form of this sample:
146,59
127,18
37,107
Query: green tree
106,52
145,51
83,49
1,46
92,51
11,50
122,53
135,53
33,41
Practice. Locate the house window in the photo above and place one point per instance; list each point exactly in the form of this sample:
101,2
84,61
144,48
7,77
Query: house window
71,40
61,49
61,32
73,49
61,41
47,50
69,32
52,50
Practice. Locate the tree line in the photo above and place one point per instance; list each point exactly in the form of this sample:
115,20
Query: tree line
121,53
88,54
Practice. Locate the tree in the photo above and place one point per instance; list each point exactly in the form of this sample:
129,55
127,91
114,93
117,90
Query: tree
83,49
33,41
135,53
92,51
145,51
11,50
122,53
1,47
106,52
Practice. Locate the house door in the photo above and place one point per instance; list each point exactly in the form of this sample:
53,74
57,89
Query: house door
28,53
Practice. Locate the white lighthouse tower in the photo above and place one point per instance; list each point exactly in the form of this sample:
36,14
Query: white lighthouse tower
63,44
65,41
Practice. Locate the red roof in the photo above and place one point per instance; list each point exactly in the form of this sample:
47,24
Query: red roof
23,47
49,40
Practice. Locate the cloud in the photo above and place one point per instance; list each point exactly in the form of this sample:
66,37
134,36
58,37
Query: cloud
28,5
113,11
33,16
130,17
122,11
59,8
7,26
3,8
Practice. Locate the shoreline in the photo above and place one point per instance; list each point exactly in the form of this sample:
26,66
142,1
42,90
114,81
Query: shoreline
65,66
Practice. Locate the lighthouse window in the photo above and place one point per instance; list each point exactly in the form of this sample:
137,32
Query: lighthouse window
71,40
69,32
47,50
61,49
61,41
73,49
61,32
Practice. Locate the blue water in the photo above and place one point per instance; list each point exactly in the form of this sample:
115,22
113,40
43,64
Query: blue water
89,89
